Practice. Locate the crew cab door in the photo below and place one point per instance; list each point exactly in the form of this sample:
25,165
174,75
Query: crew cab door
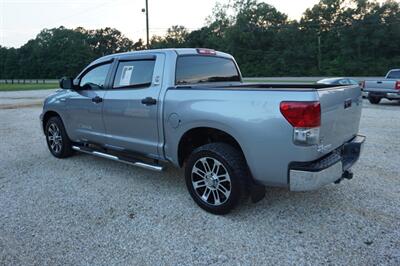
85,105
131,105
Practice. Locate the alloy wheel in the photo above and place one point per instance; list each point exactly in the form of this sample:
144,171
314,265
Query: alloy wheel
54,137
211,181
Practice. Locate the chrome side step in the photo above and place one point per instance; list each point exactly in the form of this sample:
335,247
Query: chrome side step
153,167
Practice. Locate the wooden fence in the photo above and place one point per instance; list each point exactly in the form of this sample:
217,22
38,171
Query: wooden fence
28,81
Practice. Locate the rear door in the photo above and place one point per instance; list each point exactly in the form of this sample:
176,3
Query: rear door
131,104
340,115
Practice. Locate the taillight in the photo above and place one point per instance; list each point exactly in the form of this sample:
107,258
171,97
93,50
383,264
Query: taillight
397,85
305,117
302,114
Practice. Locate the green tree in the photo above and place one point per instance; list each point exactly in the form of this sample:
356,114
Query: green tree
108,41
62,52
175,37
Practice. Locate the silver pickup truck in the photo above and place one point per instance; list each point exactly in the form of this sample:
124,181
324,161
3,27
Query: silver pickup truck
190,108
388,88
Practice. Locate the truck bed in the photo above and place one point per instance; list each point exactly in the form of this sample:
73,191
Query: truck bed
261,86
251,114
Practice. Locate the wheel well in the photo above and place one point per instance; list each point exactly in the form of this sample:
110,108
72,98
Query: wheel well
46,118
197,137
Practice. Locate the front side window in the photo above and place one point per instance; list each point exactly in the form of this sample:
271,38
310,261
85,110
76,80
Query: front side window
134,74
95,78
394,74
196,69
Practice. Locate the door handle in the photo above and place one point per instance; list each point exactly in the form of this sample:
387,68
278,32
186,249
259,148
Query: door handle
149,101
97,99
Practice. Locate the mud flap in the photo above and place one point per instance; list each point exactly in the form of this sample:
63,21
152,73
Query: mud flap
257,192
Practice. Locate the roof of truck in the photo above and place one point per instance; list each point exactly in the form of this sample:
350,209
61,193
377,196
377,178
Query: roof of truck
178,51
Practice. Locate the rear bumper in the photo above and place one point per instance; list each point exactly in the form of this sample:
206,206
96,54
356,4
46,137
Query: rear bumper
384,94
304,176
364,94
393,95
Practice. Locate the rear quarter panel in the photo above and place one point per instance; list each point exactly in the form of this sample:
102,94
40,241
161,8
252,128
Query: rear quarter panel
252,117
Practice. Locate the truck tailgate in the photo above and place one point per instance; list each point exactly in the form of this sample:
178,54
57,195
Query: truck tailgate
380,85
340,116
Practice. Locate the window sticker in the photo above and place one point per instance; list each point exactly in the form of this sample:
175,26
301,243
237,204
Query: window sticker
126,76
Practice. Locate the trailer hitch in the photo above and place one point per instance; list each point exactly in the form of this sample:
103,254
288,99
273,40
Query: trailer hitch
346,175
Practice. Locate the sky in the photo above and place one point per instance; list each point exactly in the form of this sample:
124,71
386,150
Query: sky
22,20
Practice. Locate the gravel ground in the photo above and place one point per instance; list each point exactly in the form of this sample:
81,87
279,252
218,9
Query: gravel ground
16,99
87,210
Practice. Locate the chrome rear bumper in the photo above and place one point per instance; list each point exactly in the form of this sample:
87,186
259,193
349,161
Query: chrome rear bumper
304,176
393,95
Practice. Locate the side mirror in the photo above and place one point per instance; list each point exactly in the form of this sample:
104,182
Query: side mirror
66,83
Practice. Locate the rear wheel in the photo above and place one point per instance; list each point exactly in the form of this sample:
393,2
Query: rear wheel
374,100
216,176
57,140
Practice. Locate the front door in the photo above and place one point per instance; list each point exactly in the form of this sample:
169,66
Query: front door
130,109
85,106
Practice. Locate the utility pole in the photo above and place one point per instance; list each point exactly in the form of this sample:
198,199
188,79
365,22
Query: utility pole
319,52
146,11
147,23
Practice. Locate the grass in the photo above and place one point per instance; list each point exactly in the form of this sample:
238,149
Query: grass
27,87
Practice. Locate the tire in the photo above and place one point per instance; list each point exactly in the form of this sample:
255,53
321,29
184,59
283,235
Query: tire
374,100
217,177
57,139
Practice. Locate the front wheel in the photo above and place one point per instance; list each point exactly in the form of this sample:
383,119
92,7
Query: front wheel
216,176
374,100
57,139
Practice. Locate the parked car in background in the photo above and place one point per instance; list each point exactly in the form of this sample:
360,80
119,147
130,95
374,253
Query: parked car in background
341,82
388,88
189,107
338,81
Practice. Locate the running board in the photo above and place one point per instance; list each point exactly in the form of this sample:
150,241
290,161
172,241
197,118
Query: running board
153,167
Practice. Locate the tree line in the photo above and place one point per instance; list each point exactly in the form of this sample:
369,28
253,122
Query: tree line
333,38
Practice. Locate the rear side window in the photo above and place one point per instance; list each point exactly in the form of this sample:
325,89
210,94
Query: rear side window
200,69
395,74
131,74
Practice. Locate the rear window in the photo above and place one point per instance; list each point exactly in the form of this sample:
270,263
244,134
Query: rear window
196,69
395,74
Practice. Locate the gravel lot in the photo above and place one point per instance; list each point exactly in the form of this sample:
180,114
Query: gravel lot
23,99
87,210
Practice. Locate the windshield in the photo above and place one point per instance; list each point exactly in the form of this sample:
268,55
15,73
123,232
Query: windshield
196,69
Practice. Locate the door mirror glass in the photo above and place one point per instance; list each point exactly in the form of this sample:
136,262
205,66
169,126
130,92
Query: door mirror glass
66,83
